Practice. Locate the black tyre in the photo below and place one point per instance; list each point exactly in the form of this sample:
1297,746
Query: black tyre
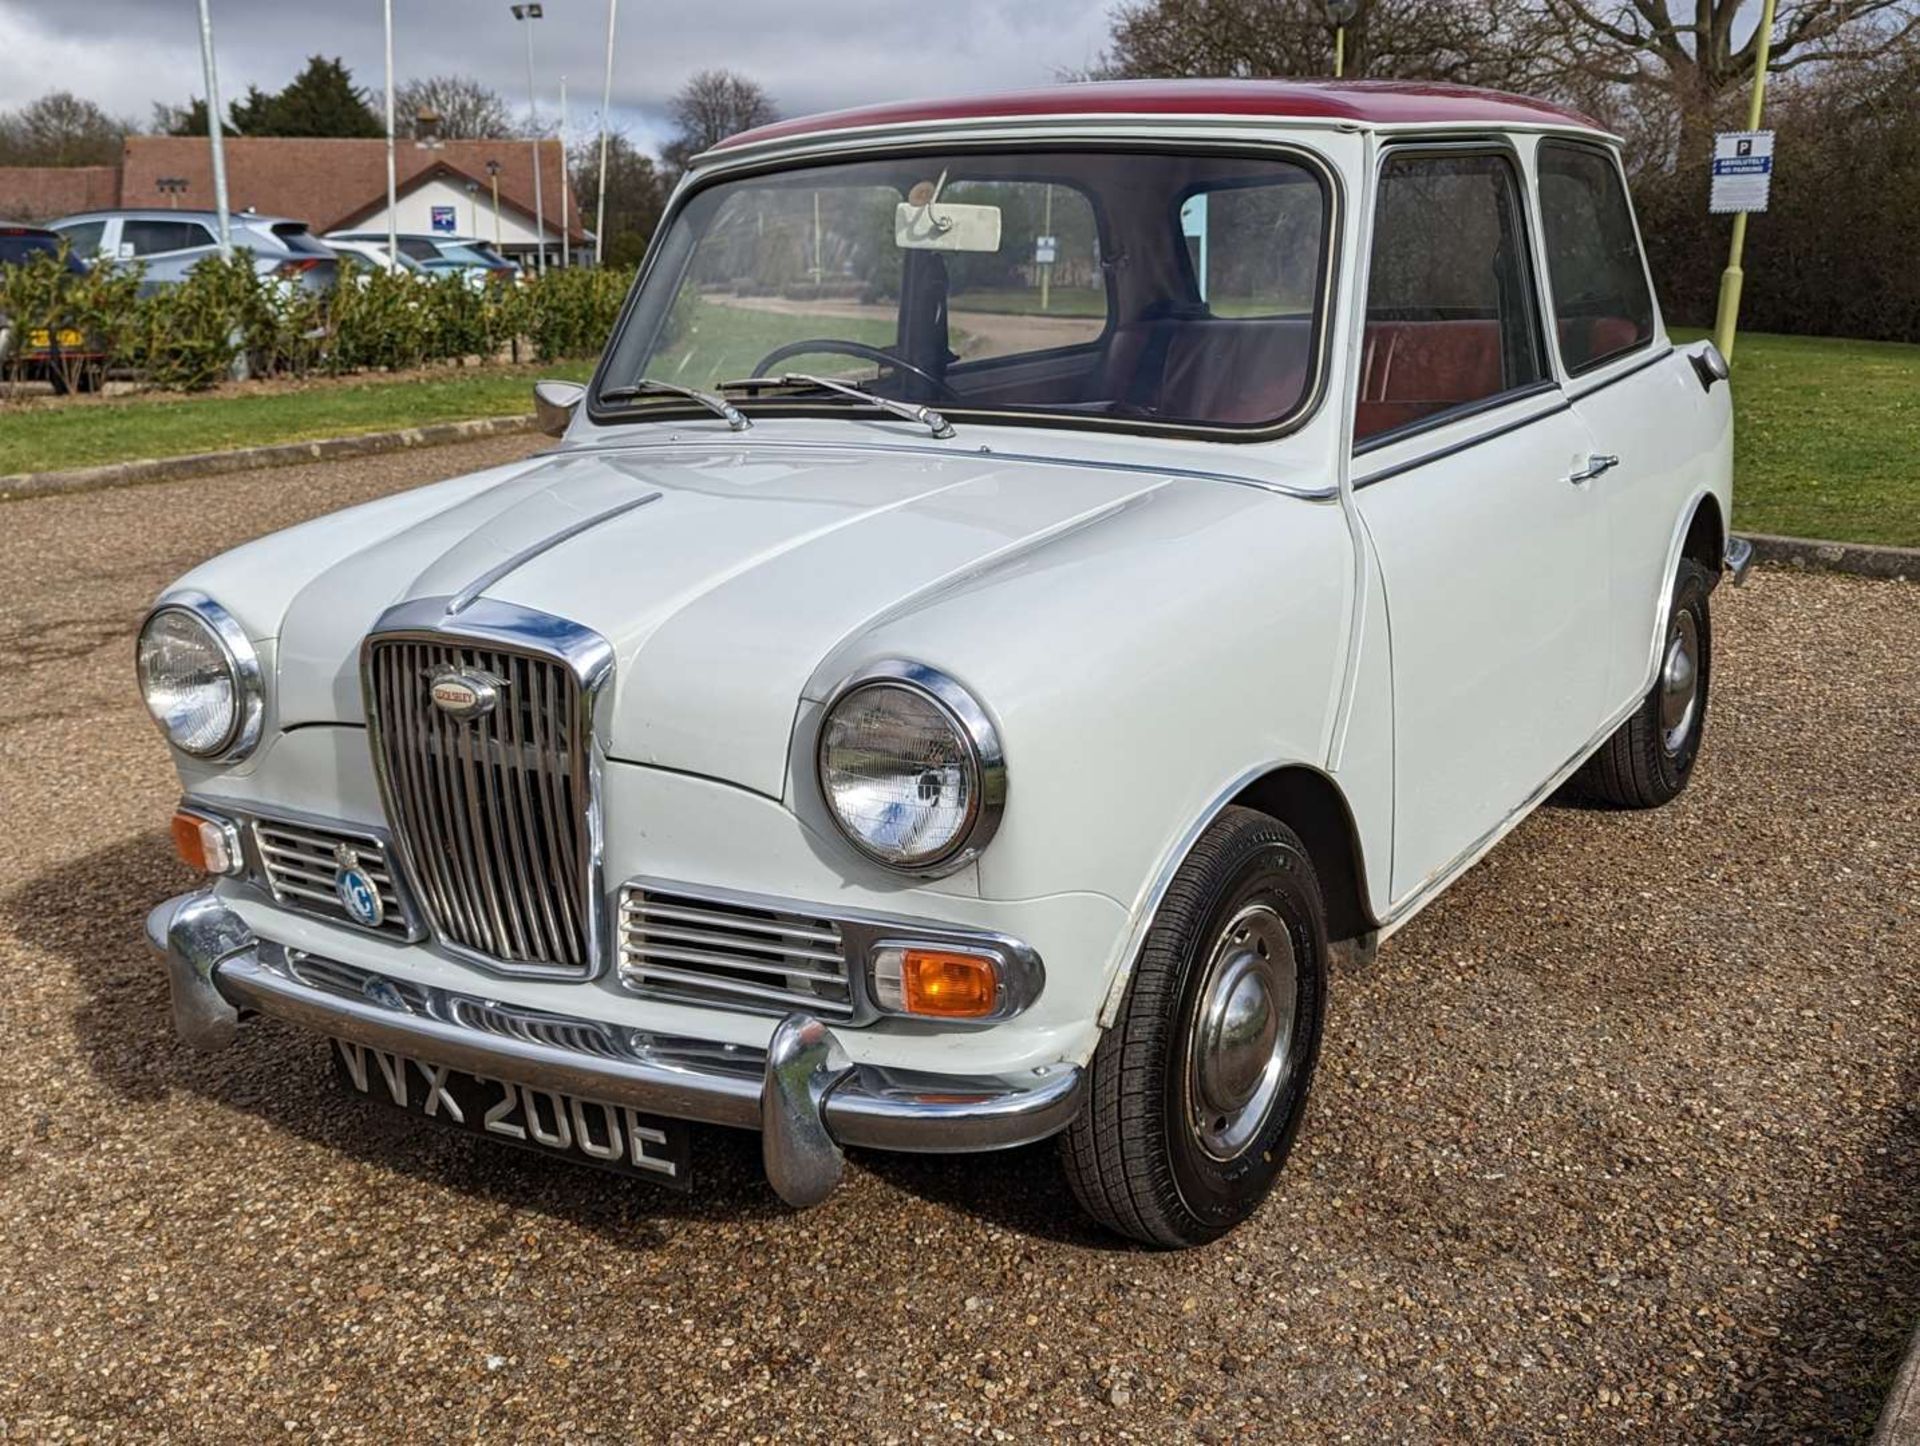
1195,1094
1650,757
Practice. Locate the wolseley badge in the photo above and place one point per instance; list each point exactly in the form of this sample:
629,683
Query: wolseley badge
464,693
358,895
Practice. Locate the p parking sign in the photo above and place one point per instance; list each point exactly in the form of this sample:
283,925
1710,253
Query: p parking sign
1742,171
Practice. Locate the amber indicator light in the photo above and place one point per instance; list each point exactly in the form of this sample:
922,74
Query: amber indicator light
946,985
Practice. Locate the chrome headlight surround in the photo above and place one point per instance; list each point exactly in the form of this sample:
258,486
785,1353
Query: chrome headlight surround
243,669
984,760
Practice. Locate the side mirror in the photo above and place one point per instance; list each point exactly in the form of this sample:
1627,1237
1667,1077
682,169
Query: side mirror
554,404
1709,366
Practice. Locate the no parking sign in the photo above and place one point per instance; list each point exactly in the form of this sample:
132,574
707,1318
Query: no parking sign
1742,171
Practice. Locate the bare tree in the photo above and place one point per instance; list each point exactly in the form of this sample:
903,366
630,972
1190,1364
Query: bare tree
61,129
1694,59
710,107
466,109
1477,42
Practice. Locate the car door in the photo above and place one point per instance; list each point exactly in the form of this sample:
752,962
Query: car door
1492,552
1639,399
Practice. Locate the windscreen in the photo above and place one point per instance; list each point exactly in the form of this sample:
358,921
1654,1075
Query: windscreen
1134,286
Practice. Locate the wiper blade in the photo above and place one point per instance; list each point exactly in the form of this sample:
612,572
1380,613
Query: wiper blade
650,387
910,411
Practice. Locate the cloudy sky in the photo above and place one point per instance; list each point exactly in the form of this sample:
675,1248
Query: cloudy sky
810,54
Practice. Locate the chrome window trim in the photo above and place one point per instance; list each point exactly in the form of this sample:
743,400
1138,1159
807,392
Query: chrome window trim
590,657
1021,972
243,662
976,729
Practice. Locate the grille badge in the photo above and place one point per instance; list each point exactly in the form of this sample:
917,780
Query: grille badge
463,693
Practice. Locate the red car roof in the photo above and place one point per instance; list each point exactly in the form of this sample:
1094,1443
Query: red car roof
1362,102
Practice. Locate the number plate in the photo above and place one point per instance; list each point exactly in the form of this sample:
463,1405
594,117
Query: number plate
587,1132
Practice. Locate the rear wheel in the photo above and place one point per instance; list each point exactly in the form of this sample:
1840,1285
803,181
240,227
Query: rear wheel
1650,757
1195,1094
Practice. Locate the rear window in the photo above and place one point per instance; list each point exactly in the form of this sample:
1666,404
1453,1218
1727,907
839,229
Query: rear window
1602,306
296,238
18,246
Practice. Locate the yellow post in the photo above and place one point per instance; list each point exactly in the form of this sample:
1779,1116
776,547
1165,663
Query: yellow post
1339,51
1727,318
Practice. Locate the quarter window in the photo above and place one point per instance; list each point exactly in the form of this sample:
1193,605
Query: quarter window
1450,314
1601,304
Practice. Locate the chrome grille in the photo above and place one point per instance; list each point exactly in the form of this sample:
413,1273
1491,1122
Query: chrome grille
534,1026
356,983
716,951
298,864
492,813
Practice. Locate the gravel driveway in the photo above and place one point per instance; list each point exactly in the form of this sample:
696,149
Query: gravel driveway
1620,1140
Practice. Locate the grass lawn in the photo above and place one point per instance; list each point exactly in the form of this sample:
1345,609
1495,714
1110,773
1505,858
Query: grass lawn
57,437
1826,433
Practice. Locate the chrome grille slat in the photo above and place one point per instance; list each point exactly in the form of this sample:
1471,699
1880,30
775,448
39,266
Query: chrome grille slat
651,951
760,947
491,810
738,952
296,863
823,935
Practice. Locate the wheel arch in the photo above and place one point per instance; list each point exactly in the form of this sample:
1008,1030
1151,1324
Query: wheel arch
1705,541
1310,803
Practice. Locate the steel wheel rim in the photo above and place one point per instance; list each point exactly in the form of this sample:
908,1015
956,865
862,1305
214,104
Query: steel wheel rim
1240,1044
1680,682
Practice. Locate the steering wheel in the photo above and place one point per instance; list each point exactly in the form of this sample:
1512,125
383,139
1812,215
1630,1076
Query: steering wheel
816,346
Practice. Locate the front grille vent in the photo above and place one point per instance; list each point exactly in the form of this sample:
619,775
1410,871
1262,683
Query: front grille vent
713,951
298,863
493,812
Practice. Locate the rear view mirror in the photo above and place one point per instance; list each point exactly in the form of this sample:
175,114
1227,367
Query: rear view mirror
943,226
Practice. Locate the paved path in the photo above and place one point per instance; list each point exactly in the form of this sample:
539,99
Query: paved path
1621,1141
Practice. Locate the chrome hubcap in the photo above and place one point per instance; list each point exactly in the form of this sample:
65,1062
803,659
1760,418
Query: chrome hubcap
1680,682
1239,1053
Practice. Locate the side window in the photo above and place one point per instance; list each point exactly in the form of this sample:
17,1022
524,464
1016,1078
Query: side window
1601,304
83,238
150,238
1255,249
1450,313
1043,289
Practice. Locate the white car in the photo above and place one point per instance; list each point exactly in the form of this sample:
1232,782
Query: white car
1031,580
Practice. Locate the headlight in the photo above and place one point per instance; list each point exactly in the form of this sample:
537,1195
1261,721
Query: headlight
911,768
201,678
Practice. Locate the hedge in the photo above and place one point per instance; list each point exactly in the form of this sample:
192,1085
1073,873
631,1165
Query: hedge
189,336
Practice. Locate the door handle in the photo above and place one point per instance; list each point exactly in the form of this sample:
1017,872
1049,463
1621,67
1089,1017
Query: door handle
1597,462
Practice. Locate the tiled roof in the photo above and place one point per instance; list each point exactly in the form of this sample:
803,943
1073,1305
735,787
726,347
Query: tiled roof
330,183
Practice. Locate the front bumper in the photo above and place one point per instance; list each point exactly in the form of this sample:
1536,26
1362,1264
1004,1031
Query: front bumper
801,1092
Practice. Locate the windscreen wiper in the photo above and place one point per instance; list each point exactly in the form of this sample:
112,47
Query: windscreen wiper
911,411
650,387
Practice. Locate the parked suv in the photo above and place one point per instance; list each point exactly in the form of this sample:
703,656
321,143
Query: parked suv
171,243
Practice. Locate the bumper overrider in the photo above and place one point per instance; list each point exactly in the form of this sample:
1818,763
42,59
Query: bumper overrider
802,1092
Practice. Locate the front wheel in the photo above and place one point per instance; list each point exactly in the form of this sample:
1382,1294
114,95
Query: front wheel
1195,1094
1650,757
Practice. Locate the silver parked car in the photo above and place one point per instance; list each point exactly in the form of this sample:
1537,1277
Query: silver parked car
169,244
